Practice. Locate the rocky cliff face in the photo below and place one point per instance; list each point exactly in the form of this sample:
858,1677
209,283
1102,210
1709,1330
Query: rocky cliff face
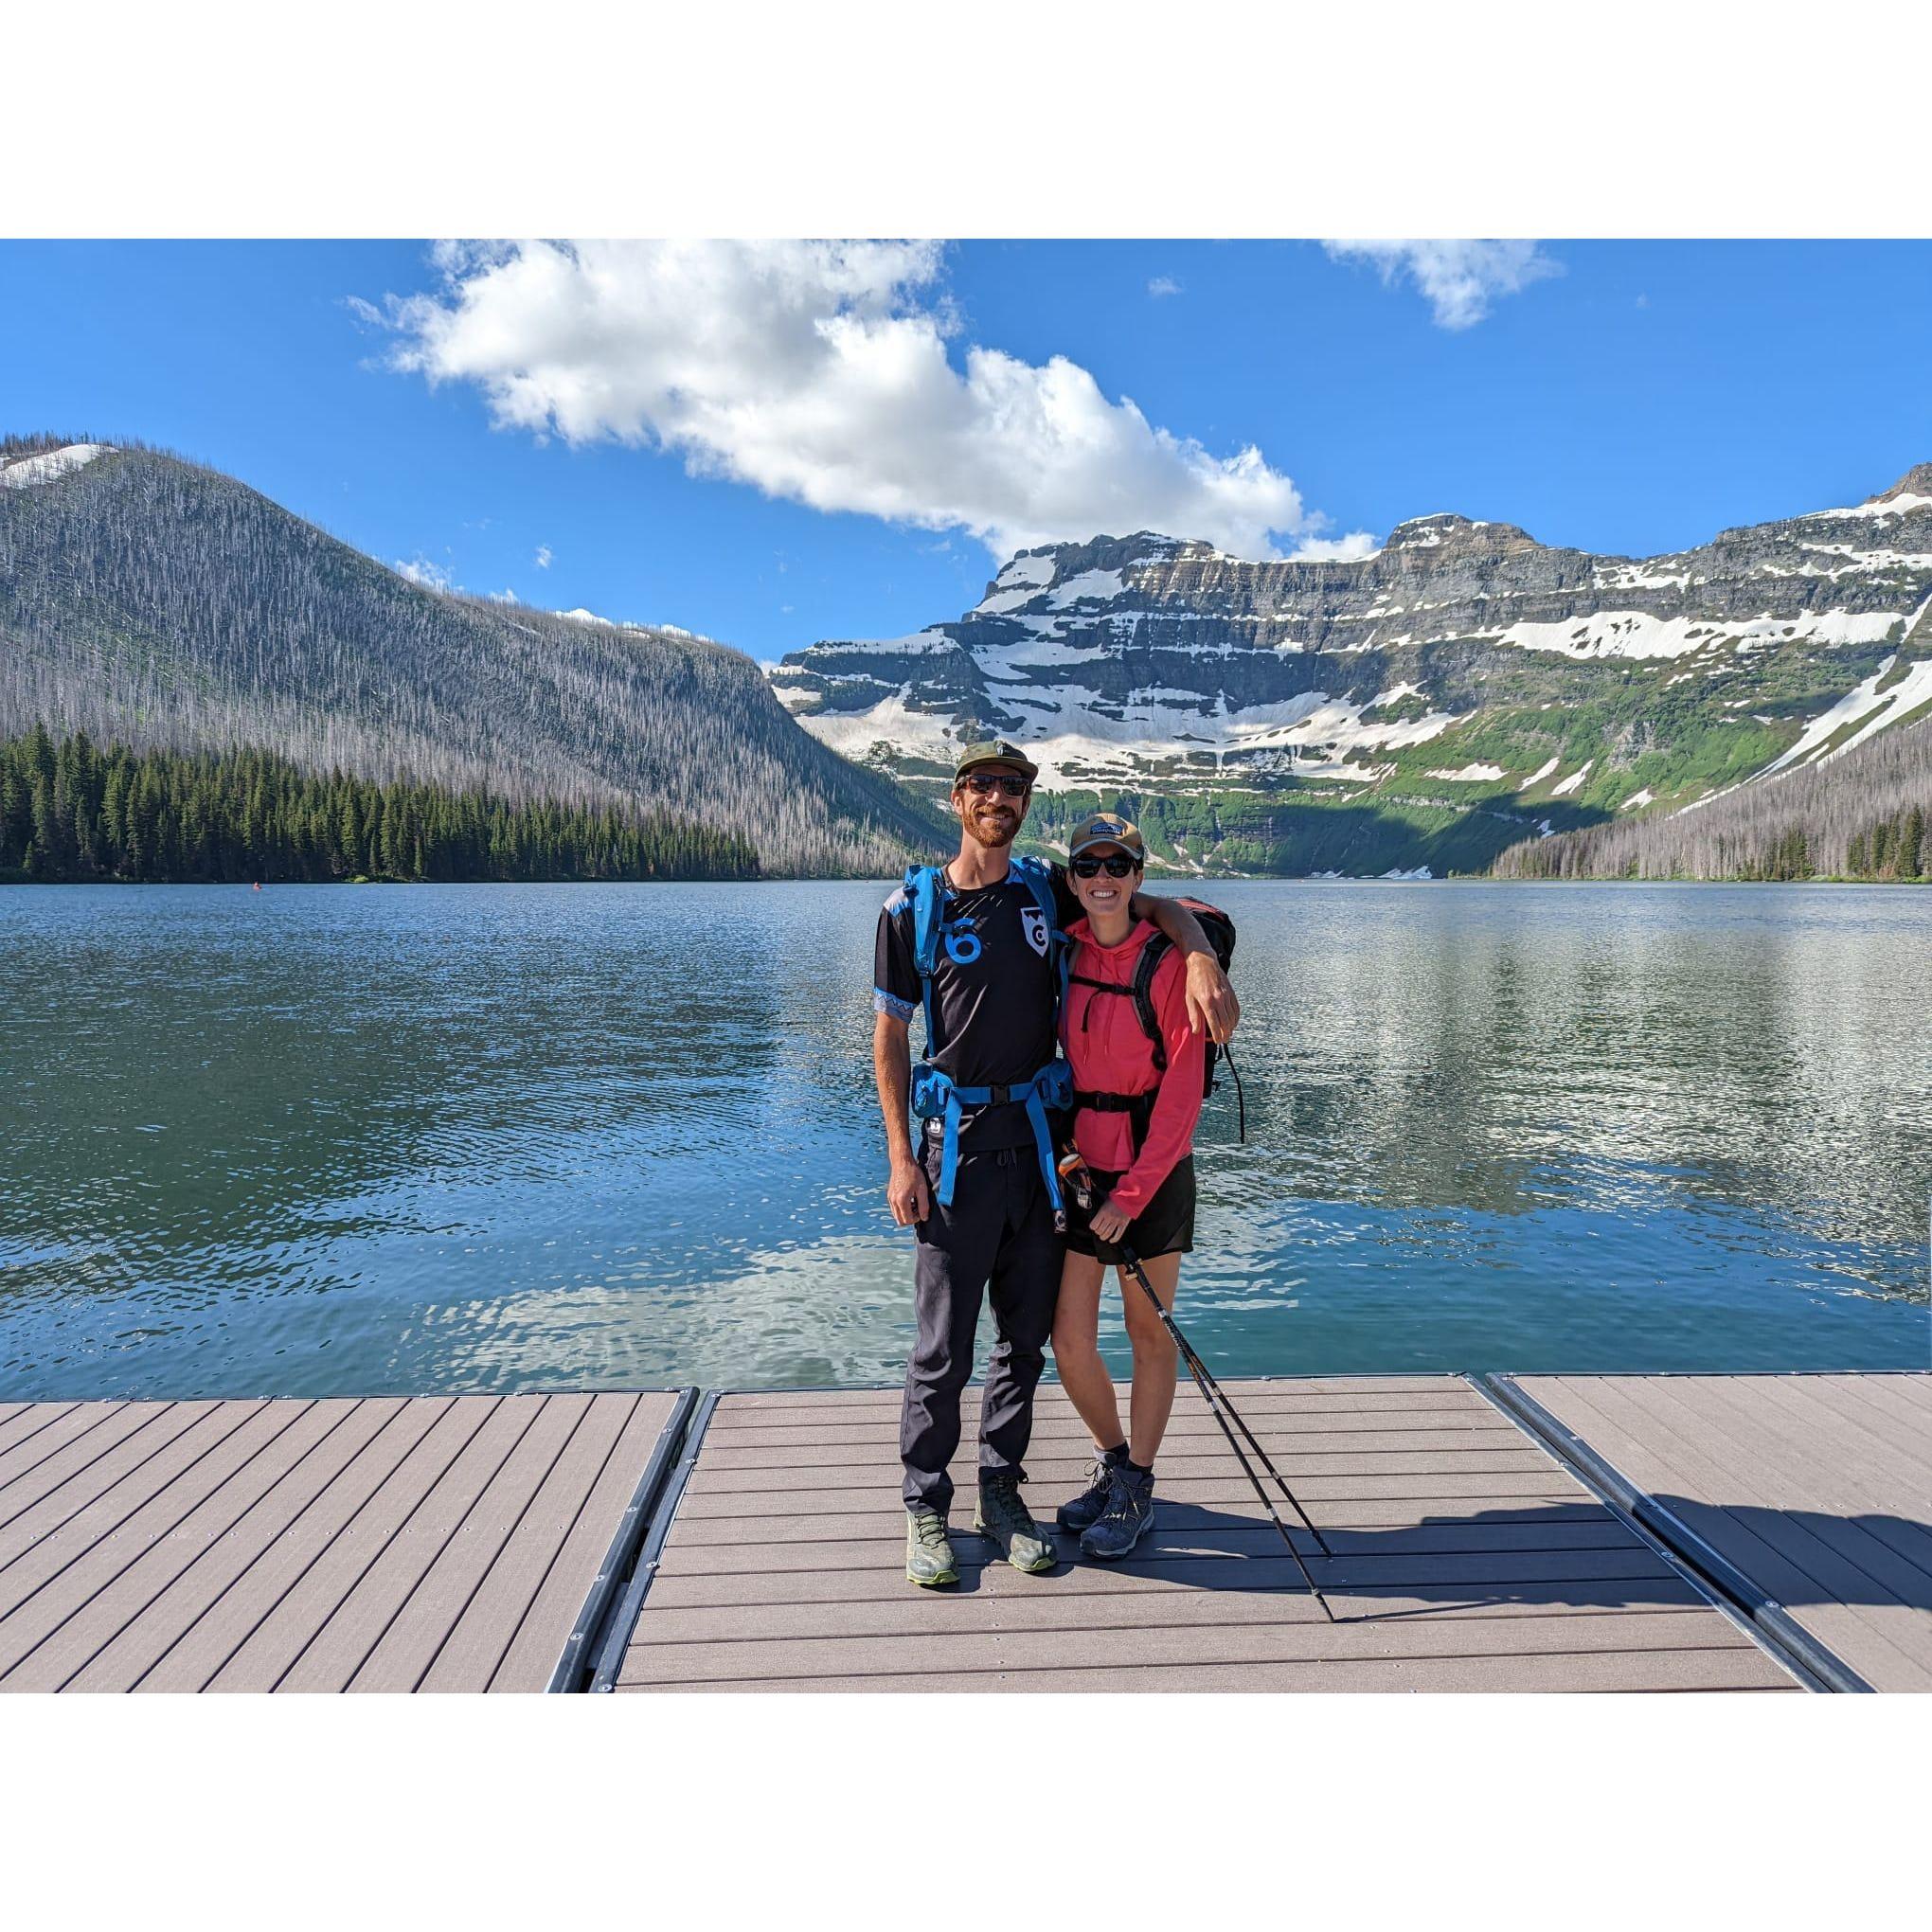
1463,668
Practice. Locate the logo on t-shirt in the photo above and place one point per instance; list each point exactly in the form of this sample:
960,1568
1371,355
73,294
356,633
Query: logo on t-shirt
963,944
1034,922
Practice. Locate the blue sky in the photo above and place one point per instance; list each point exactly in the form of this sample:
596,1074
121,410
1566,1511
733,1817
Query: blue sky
1622,397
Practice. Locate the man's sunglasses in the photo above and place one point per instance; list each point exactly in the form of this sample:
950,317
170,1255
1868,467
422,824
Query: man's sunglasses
1116,865
985,783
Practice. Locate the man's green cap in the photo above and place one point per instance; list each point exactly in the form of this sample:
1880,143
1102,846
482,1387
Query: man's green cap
994,751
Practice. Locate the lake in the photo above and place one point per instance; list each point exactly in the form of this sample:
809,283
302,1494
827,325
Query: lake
330,1139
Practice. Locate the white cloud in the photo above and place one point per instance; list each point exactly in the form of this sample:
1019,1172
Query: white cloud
503,595
1163,285
1460,279
543,554
818,371
1355,546
421,571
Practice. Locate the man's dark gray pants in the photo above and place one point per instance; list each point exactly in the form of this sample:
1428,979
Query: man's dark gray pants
998,1232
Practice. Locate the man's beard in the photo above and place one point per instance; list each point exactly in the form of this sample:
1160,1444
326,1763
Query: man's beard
995,835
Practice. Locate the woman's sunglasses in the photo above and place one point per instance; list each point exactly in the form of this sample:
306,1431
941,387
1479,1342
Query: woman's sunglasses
983,782
1116,865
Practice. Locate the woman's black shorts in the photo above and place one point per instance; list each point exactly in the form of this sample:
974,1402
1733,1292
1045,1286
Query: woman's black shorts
1163,1227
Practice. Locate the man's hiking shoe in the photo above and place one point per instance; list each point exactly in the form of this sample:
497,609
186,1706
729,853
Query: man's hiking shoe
1005,1518
928,1552
1127,1517
1086,1508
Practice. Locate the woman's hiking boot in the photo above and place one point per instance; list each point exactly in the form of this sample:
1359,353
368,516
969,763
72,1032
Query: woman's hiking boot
1127,1517
929,1549
1006,1519
1084,1509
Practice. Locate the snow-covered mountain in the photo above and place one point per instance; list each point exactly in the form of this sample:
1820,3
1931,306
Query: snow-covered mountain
1463,670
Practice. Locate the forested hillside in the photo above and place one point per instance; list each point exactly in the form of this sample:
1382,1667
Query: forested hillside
150,602
1861,814
72,812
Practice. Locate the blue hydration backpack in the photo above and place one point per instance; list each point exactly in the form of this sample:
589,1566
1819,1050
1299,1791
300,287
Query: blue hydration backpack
935,1094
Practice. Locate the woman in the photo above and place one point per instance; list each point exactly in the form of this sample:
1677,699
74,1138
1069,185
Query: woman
1134,1127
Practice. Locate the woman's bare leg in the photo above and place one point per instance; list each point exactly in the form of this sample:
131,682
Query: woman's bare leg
1156,1363
1076,1350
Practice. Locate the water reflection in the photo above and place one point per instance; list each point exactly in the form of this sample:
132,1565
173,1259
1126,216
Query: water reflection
322,1140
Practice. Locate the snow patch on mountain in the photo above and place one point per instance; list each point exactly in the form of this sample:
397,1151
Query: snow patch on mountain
1575,778
1638,633
1472,774
1877,508
1863,701
23,473
1097,585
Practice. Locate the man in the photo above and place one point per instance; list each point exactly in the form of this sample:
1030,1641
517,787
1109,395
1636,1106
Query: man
979,1189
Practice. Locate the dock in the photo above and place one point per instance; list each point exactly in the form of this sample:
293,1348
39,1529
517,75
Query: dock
428,1542
1809,1497
1485,1533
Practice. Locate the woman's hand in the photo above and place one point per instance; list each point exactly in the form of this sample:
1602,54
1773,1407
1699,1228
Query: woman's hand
1109,1224
1212,1008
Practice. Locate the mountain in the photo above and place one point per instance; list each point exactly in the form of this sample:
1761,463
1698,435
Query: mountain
1461,689
152,601
1858,813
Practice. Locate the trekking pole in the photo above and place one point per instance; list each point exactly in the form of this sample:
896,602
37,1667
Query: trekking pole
1073,1170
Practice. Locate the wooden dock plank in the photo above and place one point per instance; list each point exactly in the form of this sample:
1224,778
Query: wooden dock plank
419,1526
439,1593
85,1466
26,1421
488,1624
124,1662
89,1554
1300,1641
532,1653
1288,1427
1371,1500
1258,1390
245,1634
1463,1556
1145,1604
1807,1484
90,1506
287,1432
1554,1517
1513,1470
1673,1669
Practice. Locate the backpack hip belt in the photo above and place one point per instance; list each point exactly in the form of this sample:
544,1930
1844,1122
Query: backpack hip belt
936,1096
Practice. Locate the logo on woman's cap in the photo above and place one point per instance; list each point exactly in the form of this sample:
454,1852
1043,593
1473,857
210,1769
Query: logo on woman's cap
1105,828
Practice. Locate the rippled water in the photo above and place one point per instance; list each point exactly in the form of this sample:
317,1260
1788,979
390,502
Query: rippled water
327,1139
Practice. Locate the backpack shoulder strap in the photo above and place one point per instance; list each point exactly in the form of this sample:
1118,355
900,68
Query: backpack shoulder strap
923,891
1037,876
927,895
1156,950
1038,879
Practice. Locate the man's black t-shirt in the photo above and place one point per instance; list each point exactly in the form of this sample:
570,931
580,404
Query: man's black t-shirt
992,1003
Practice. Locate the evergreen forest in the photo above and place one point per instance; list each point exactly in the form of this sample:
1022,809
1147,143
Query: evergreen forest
71,810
